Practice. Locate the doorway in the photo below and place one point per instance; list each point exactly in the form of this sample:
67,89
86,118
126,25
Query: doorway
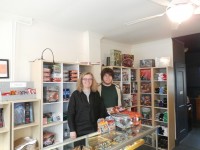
192,63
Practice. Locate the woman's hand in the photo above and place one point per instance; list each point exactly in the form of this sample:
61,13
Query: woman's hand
73,135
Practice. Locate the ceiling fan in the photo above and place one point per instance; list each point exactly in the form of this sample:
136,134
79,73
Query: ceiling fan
177,10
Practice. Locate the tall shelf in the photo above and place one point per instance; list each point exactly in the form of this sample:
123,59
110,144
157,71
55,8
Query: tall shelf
145,95
5,130
127,79
22,130
54,83
156,103
163,104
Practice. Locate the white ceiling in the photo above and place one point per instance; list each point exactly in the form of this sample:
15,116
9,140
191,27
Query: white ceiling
106,17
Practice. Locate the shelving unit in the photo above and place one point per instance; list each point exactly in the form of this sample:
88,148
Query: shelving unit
64,81
31,129
156,104
163,103
127,79
145,95
5,130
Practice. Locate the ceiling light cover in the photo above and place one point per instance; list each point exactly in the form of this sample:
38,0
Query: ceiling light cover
180,12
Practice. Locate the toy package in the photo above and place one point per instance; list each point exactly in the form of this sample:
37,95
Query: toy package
102,125
127,60
116,109
51,94
26,143
48,138
19,114
122,121
111,123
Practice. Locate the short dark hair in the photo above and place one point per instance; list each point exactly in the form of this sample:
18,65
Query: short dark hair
107,71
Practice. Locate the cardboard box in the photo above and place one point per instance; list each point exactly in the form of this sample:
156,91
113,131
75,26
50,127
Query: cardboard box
162,61
127,60
115,57
147,63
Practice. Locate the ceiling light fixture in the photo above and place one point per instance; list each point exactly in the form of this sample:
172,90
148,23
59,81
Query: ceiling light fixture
180,12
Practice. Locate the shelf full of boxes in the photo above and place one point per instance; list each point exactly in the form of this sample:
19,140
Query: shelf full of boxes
163,106
55,83
19,122
157,102
127,80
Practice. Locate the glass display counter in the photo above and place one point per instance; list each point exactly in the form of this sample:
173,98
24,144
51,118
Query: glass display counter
117,140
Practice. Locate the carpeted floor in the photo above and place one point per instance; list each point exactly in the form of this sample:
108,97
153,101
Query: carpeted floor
191,142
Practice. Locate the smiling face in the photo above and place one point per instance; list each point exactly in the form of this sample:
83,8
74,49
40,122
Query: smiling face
107,79
87,81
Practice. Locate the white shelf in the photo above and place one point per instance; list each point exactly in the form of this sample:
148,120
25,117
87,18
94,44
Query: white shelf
152,73
58,108
53,103
69,82
160,80
52,124
51,82
26,130
26,126
4,130
161,108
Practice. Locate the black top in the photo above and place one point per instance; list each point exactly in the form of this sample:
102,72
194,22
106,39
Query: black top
83,116
109,95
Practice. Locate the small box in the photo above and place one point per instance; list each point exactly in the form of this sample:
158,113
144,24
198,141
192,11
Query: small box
127,60
115,57
147,63
162,61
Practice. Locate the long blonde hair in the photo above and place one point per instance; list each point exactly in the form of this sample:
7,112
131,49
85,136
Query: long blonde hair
94,85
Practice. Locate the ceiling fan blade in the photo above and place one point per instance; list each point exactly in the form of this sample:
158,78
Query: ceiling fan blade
161,2
143,19
197,11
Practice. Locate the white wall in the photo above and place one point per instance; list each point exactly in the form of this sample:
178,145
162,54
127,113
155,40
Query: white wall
6,42
150,50
107,45
24,43
67,45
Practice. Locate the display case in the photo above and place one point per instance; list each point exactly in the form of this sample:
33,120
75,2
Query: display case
136,140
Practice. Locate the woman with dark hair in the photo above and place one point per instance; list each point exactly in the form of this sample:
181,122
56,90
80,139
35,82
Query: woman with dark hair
85,107
110,92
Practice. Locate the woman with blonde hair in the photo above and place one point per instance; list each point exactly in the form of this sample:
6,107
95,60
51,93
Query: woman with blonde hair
85,107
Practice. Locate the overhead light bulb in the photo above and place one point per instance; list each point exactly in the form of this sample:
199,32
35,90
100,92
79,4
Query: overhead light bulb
180,12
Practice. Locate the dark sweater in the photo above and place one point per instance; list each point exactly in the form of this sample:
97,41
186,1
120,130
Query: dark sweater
83,116
109,95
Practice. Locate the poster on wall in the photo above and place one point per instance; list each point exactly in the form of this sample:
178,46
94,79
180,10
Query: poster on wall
4,68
